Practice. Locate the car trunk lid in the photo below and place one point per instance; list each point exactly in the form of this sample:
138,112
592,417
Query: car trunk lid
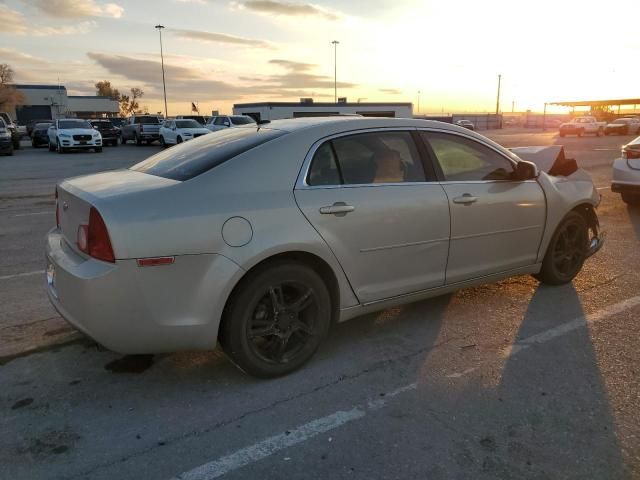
77,195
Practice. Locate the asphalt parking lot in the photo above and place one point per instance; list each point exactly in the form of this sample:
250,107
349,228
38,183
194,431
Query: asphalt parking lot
507,380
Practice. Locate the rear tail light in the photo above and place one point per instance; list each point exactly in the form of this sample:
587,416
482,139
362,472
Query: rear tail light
93,239
629,153
57,212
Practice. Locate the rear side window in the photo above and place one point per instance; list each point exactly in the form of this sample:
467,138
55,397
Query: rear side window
367,158
190,159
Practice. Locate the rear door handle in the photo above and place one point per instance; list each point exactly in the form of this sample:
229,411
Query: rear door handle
466,199
339,209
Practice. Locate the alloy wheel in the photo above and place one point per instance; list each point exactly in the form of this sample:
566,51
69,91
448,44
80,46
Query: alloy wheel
569,249
283,322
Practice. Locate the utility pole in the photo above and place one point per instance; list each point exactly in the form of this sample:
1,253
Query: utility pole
498,97
164,86
335,70
418,102
513,106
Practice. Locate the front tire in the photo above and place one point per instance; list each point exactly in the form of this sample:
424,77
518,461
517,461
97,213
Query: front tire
276,319
162,142
137,140
98,149
52,148
123,140
566,252
630,198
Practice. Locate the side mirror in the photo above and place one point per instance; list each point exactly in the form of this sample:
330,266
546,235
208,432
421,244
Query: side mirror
526,170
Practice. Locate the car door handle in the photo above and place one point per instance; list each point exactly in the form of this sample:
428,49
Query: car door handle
466,199
338,208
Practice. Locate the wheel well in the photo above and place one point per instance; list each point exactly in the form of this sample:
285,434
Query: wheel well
589,214
321,267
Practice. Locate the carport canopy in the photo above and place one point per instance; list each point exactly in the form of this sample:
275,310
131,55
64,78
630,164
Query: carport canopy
599,104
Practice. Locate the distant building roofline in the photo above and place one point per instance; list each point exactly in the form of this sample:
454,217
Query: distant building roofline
322,104
99,97
23,86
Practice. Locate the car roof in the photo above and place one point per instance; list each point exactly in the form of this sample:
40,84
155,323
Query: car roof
355,123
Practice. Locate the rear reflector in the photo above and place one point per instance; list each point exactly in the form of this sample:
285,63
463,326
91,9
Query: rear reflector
155,261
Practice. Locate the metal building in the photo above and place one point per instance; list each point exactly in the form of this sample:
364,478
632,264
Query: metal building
279,110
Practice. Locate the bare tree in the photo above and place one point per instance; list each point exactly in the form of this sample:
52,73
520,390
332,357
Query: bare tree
9,96
129,103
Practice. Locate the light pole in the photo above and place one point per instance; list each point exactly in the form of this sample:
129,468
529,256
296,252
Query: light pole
164,86
335,70
418,102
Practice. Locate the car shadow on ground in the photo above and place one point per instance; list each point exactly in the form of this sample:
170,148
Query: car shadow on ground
560,422
634,218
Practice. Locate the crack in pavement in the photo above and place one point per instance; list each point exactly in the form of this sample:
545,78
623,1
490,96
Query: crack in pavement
380,365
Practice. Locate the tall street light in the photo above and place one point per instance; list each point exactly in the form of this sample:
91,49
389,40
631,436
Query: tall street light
164,86
335,70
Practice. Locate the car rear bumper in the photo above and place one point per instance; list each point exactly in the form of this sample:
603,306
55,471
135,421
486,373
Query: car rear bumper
131,309
624,177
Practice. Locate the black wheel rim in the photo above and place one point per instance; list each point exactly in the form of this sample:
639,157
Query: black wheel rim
283,323
569,249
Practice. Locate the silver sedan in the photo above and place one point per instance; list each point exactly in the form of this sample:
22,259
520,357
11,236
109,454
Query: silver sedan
261,237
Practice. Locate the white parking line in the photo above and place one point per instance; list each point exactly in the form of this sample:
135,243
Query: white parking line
36,213
604,188
271,445
26,274
578,322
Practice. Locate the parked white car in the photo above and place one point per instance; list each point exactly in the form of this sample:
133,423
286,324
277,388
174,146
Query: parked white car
226,121
582,125
176,131
626,173
73,133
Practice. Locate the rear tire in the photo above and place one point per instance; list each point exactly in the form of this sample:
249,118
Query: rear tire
566,252
276,319
123,140
179,140
630,198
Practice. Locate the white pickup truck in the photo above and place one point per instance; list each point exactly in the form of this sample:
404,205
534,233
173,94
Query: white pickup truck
582,125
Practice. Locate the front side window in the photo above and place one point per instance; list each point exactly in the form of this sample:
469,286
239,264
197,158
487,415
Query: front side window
219,121
462,159
377,157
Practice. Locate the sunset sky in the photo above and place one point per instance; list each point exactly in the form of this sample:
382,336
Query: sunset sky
220,52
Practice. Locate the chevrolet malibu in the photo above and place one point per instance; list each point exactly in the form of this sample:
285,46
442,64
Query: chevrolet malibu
260,237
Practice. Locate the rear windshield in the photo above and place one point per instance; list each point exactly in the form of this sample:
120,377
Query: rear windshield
40,126
242,120
147,120
190,159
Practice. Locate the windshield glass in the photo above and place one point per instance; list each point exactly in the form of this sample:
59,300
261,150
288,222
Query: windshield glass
242,120
101,123
40,126
71,124
187,124
190,159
